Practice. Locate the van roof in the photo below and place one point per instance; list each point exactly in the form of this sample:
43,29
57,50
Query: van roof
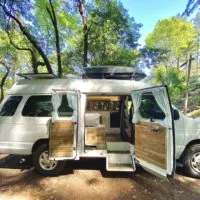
95,86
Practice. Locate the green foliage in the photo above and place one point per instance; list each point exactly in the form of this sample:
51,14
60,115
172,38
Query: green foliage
175,35
113,34
153,56
194,89
173,78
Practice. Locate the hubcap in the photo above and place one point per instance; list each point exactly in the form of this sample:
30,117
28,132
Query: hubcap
45,163
195,162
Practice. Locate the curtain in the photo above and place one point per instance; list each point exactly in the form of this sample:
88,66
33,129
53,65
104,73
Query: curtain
72,102
56,102
136,98
160,97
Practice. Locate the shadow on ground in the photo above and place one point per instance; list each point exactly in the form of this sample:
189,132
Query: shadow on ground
15,162
88,179
25,162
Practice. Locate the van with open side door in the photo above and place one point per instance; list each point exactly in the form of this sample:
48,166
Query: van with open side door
124,121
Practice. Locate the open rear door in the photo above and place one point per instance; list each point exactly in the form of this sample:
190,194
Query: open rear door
154,131
63,126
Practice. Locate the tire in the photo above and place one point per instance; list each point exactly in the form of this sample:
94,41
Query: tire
42,164
192,161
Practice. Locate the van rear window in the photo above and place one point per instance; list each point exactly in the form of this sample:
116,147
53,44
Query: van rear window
41,106
150,109
10,106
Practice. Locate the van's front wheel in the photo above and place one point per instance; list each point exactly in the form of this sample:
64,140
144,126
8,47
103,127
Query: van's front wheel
192,161
45,166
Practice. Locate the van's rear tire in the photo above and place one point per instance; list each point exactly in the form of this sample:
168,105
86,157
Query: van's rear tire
192,161
42,163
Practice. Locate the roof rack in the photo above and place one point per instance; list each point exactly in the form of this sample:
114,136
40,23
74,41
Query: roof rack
31,76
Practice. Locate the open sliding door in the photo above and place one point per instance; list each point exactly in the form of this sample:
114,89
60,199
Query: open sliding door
63,127
154,131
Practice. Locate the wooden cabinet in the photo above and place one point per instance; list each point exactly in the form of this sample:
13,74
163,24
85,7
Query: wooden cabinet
95,136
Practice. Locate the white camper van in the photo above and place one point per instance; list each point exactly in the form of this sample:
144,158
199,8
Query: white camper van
123,121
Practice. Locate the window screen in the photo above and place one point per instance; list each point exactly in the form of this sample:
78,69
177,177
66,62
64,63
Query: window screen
41,106
10,106
150,109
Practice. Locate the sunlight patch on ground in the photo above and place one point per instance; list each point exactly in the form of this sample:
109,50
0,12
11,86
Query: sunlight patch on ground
15,197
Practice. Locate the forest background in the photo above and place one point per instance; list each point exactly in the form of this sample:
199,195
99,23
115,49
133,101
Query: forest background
62,37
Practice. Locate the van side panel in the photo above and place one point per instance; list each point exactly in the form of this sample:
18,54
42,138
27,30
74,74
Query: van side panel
18,134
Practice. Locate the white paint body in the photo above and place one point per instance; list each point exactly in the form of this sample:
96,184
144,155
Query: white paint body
18,134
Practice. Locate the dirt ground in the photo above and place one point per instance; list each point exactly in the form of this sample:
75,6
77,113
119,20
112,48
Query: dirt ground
87,180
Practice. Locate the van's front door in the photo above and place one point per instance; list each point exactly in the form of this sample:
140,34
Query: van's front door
154,131
63,130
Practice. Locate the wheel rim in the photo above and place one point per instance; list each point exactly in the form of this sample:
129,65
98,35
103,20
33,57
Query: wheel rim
195,162
45,163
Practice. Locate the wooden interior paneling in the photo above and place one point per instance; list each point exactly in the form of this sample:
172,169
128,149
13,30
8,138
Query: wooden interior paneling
61,139
95,136
150,145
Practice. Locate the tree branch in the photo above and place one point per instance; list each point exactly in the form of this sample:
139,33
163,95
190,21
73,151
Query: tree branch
50,14
15,46
85,32
55,25
30,38
34,62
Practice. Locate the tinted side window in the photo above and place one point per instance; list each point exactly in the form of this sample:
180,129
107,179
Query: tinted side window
10,106
41,106
150,109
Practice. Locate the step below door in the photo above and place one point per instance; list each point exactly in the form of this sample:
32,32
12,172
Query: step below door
119,157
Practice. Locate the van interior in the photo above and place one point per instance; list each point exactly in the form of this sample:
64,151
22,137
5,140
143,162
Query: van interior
110,133
108,126
108,119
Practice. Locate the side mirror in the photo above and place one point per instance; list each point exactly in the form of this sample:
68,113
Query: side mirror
176,114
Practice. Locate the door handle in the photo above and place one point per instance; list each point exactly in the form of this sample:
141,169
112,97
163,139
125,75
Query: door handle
155,129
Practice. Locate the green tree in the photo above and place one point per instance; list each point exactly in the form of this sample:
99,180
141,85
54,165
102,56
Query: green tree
174,35
109,35
8,62
42,24
173,78
66,34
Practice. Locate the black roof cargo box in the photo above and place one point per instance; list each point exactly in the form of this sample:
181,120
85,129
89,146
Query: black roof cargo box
113,72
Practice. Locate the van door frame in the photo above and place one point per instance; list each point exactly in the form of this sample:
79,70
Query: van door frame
168,176
76,156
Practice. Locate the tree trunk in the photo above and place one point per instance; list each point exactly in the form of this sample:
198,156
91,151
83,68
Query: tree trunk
198,50
104,46
85,54
2,93
85,32
187,84
55,25
178,63
4,80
